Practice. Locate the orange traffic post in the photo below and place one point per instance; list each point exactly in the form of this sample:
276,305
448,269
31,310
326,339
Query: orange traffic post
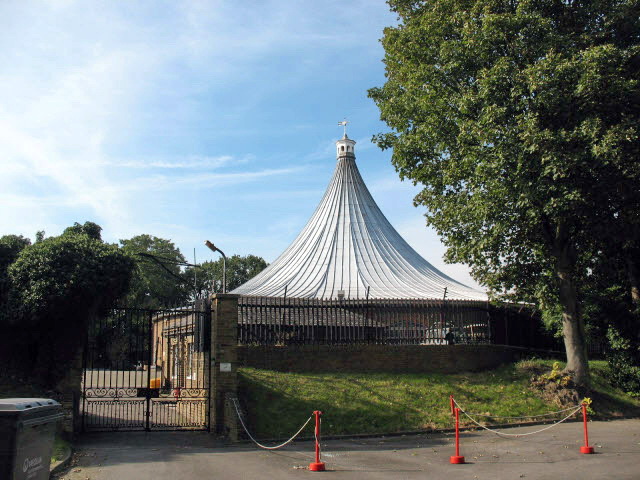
317,466
585,448
457,458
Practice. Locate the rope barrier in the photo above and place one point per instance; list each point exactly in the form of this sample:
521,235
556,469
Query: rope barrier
524,416
235,403
497,432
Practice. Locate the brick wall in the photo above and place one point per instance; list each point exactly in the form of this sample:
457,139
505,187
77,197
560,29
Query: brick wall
379,358
224,384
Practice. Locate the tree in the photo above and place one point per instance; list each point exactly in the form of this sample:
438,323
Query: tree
57,285
520,118
611,319
207,277
88,228
157,280
10,248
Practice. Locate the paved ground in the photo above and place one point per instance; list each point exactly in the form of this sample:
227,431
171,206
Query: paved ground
111,401
553,454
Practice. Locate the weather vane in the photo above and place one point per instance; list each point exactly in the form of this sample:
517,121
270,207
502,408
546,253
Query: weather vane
344,124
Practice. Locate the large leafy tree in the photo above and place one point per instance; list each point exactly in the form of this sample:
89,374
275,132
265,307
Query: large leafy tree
521,120
92,230
207,277
10,248
57,285
157,280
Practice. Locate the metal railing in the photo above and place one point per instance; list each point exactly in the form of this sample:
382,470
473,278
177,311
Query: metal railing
298,321
147,370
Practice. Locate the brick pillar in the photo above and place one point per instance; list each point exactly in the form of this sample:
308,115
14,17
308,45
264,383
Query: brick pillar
232,424
69,393
224,363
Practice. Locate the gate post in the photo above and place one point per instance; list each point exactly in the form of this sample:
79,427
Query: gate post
69,394
224,363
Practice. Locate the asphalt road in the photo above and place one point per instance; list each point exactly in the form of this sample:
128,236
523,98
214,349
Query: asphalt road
553,454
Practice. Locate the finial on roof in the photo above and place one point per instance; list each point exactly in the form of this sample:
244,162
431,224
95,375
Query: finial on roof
344,124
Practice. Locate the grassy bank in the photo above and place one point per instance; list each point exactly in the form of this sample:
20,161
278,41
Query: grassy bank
277,404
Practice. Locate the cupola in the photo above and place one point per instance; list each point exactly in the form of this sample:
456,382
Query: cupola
345,147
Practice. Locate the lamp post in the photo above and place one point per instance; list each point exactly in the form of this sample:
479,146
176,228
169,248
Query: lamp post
213,248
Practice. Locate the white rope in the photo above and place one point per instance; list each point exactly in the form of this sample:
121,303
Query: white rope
497,432
518,418
235,403
315,434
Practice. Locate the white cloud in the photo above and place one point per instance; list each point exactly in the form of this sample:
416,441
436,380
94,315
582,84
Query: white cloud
169,182
190,162
87,91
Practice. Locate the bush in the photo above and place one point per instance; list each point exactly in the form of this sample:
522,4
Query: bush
56,285
623,360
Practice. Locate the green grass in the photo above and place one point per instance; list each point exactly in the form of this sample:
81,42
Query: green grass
60,448
610,401
278,403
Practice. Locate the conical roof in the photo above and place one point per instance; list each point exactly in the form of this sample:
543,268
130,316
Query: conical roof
348,248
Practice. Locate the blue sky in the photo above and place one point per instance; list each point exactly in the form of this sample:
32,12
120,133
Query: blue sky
192,120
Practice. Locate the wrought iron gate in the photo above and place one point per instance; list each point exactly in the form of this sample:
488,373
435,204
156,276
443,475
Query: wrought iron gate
147,370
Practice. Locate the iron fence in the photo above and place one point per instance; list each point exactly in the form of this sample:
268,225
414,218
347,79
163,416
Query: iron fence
299,321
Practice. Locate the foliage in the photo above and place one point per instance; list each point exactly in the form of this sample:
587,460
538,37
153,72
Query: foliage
156,283
624,362
92,230
240,269
556,375
556,386
57,284
613,320
521,120
10,248
68,273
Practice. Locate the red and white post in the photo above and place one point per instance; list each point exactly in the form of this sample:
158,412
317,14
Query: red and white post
457,458
585,448
317,466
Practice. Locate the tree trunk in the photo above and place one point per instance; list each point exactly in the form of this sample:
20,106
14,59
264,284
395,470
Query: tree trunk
632,271
573,330
572,323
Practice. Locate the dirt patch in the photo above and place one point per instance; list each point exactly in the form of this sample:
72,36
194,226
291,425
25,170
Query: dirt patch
561,395
555,386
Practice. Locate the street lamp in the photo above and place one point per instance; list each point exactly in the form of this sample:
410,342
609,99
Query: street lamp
213,248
